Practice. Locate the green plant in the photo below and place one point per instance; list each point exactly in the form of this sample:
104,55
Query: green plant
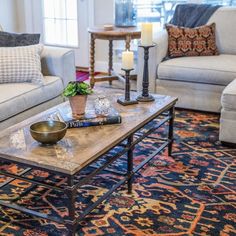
77,88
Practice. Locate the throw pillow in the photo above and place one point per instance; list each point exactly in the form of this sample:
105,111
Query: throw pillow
199,41
16,40
21,64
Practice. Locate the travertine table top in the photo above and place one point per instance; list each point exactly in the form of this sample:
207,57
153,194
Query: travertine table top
80,146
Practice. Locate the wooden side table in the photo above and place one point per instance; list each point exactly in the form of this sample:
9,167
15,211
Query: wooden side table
126,34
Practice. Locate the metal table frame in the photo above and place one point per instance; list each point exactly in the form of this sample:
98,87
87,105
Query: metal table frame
71,189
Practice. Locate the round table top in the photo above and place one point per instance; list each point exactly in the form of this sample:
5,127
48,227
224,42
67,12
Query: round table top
116,32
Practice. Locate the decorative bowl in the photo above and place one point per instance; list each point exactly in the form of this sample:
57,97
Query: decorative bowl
108,27
48,132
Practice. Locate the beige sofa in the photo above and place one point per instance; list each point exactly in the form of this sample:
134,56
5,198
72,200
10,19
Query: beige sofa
19,101
228,114
198,82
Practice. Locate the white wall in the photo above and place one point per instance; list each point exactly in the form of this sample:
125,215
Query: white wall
8,15
103,11
103,14
20,10
12,15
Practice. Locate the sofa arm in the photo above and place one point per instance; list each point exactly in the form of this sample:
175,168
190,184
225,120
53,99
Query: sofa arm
59,62
156,55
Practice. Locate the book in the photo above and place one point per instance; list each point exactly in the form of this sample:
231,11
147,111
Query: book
89,119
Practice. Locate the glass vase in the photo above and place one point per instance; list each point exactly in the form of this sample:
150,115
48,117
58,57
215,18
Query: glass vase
102,106
125,13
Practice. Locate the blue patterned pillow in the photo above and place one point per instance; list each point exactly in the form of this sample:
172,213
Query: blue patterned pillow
16,40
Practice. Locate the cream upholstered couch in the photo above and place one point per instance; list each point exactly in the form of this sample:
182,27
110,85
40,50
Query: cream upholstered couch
19,101
228,114
198,82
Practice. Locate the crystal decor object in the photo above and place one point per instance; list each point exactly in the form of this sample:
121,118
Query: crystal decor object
102,105
125,13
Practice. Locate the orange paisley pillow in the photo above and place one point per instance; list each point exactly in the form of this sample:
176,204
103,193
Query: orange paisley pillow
199,41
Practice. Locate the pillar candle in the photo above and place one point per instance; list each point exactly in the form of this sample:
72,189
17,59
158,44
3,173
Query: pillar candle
127,60
146,34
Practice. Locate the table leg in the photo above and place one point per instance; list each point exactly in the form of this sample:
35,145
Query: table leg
71,194
110,66
130,164
170,132
92,60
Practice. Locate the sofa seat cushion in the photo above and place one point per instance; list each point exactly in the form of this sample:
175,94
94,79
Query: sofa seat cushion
228,98
217,70
18,97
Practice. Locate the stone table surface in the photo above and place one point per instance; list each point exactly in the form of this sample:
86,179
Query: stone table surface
80,146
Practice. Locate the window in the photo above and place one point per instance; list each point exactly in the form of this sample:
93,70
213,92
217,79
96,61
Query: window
161,12
155,11
60,18
221,2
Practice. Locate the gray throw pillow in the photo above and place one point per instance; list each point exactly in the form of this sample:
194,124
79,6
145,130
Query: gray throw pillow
16,40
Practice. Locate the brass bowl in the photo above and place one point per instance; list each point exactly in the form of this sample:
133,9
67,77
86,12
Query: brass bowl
48,132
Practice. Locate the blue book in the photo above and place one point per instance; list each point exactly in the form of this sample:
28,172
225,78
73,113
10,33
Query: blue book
89,119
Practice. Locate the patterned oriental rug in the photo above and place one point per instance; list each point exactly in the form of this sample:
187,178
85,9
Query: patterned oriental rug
191,193
83,75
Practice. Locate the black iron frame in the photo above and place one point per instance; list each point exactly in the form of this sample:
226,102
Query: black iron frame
127,100
71,188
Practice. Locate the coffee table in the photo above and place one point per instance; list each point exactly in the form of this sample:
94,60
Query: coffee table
81,147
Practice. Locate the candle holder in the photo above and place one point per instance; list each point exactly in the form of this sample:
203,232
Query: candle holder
127,100
146,97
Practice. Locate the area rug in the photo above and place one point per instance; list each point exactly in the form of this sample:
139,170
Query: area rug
190,193
83,75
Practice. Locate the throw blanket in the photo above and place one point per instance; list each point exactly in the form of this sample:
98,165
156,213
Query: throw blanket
192,15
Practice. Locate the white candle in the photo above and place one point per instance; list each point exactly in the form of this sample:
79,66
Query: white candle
146,34
127,60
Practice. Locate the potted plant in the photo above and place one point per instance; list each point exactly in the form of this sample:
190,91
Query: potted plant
77,93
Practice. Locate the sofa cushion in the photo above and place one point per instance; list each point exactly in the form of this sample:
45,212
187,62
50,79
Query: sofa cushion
199,41
18,97
218,70
228,98
225,18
